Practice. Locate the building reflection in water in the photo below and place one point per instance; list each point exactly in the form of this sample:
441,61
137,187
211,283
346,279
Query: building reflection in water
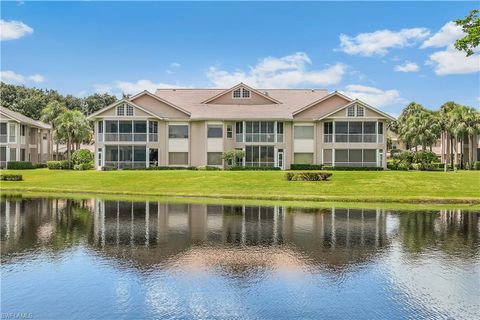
148,234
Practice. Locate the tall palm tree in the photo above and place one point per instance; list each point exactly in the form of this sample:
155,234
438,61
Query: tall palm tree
472,129
445,114
50,115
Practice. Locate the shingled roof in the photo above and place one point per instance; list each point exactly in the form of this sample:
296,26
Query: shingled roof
17,116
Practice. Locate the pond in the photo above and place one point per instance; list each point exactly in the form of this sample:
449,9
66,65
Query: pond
64,258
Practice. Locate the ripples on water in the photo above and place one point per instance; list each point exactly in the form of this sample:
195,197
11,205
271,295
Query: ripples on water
66,258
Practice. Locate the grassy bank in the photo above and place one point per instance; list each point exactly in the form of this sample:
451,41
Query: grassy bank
351,186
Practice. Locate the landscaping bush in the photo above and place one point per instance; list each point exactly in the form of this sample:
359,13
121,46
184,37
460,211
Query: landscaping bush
353,168
59,165
424,159
108,169
83,166
11,177
20,165
82,158
168,168
476,165
307,176
40,165
209,168
251,168
306,167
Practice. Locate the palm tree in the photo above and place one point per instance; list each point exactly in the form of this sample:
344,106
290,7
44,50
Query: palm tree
73,127
445,114
50,114
471,125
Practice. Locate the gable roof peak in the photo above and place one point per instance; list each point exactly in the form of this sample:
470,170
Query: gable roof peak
241,84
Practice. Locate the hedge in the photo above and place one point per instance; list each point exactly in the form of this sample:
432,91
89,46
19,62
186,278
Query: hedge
353,168
20,165
306,167
59,165
252,168
307,176
11,177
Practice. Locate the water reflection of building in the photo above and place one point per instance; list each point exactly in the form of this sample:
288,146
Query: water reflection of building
236,237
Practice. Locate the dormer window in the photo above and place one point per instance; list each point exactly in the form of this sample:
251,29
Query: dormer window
351,111
125,110
121,110
355,111
241,93
360,111
129,110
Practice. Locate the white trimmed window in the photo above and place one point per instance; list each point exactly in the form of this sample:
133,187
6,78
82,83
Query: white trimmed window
237,93
355,111
351,111
241,93
360,111
129,110
121,110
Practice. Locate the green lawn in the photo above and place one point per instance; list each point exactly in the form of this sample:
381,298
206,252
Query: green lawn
361,186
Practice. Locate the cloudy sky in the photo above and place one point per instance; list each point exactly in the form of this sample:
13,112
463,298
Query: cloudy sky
385,53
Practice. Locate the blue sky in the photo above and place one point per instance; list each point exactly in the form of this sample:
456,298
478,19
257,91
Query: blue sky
386,53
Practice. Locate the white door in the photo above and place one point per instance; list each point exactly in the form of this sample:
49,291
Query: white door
280,158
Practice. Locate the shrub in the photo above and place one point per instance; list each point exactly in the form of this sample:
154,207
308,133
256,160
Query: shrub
424,159
59,165
476,166
353,168
209,168
109,169
40,165
307,176
82,156
251,168
83,166
20,165
403,165
11,177
306,167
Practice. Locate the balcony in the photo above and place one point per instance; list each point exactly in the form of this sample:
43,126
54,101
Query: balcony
125,137
352,138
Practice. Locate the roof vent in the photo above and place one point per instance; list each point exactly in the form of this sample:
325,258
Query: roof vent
265,93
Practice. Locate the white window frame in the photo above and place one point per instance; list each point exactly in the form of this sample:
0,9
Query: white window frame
127,107
355,109
242,90
348,111
359,107
120,107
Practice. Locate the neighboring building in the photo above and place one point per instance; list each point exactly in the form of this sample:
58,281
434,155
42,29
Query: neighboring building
23,139
275,127
452,149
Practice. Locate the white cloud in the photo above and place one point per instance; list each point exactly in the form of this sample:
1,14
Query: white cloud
452,61
36,78
10,30
407,66
285,72
175,65
378,42
447,35
119,87
373,96
9,76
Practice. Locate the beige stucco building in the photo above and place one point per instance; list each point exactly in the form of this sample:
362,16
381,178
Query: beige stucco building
275,127
23,139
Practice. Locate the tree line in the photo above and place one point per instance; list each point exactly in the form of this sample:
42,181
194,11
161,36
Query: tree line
66,113
31,101
419,127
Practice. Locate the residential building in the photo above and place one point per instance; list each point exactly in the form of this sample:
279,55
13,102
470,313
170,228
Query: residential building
23,139
275,127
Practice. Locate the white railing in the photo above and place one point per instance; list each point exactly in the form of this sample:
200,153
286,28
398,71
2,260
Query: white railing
353,138
153,137
125,137
3,138
328,138
260,137
239,137
259,164
279,137
125,164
